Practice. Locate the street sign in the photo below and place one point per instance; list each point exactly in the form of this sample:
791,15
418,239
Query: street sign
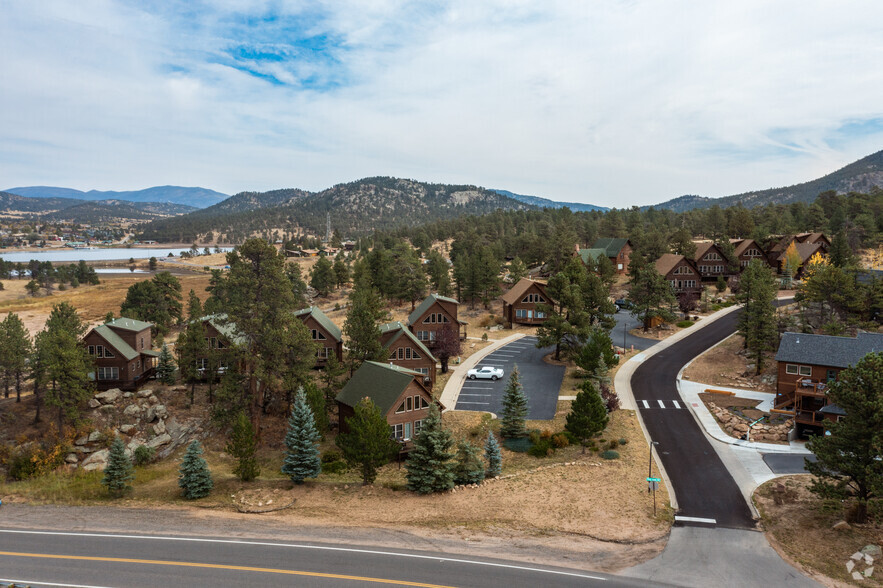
654,486
654,479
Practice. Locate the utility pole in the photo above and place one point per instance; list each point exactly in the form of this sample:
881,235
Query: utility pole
328,227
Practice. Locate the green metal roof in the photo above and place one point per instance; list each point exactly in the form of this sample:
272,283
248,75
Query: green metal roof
380,382
322,319
593,254
128,324
404,331
116,342
424,306
611,246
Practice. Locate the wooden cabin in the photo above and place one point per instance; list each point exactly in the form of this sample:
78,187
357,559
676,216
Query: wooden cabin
434,314
324,332
122,354
680,272
710,261
521,301
618,251
407,351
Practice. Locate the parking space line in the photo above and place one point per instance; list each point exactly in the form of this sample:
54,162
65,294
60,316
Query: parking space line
645,404
477,388
481,403
661,404
481,395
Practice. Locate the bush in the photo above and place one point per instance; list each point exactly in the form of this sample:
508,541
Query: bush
143,455
484,336
685,324
331,456
334,467
337,306
623,441
546,434
21,467
517,444
611,400
610,454
542,449
560,440
613,444
570,437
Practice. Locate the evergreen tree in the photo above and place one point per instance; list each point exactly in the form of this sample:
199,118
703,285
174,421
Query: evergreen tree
493,457
650,293
15,348
322,278
514,407
194,477
682,243
165,369
157,301
192,347
588,415
757,322
368,444
517,270
848,460
439,272
118,472
298,285
469,468
302,442
243,446
841,253
66,363
361,326
341,270
318,406
429,466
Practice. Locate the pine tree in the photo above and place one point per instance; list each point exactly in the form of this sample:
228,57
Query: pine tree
493,457
302,442
429,466
757,322
118,472
165,369
341,270
322,277
317,402
468,468
841,253
368,444
361,328
588,415
66,363
514,407
243,446
191,347
15,348
517,270
194,477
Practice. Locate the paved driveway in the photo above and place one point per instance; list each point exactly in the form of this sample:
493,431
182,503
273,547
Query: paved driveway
541,381
625,322
786,463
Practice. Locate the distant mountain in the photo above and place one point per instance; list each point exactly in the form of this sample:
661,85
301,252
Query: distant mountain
15,203
546,203
74,210
195,197
860,176
355,208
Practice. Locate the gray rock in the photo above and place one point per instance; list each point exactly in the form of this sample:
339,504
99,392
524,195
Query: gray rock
93,403
107,408
157,411
128,395
127,429
153,400
94,436
71,458
857,576
841,526
146,393
96,461
159,428
81,441
133,444
109,396
163,439
132,410
873,550
161,411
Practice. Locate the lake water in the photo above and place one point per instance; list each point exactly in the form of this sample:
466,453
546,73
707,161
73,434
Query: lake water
105,254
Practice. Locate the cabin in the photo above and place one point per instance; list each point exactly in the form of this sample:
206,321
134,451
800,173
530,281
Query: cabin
590,257
434,314
805,252
746,250
807,364
399,393
122,354
220,337
680,272
521,301
710,261
618,251
407,351
324,332
819,238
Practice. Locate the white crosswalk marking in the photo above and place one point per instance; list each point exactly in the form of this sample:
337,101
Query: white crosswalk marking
675,402
661,404
645,404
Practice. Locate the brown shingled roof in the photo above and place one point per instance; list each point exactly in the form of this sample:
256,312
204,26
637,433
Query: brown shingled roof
702,248
519,289
667,262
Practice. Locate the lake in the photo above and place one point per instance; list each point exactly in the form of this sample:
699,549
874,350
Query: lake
105,254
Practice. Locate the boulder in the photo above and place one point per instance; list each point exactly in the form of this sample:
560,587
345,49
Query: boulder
159,428
157,411
159,440
109,396
93,403
153,400
146,393
96,461
81,441
95,436
107,408
128,395
71,458
127,429
873,550
132,410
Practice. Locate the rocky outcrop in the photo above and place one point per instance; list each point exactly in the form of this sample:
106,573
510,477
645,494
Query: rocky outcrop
737,426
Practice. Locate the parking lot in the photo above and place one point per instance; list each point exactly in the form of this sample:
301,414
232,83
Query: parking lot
541,381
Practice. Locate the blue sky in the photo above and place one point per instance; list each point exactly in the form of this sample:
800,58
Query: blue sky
613,103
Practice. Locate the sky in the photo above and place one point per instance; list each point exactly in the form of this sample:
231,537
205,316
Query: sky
614,103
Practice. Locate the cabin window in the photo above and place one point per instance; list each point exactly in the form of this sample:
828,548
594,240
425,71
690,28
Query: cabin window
520,313
91,350
424,371
540,315
407,434
805,370
420,402
414,354
408,403
142,342
397,432
108,373
791,368
831,375
317,335
401,407
533,298
417,426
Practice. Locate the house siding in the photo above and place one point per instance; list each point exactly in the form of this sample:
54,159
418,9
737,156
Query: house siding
448,309
131,373
511,311
328,342
622,259
688,279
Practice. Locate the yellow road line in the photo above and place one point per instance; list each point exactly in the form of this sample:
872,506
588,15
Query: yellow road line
222,567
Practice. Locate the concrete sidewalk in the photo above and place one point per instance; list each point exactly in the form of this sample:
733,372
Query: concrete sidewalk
451,392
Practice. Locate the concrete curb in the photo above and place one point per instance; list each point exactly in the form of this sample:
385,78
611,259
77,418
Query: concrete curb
451,392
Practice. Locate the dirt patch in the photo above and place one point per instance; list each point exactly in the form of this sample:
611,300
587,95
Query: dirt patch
799,524
727,365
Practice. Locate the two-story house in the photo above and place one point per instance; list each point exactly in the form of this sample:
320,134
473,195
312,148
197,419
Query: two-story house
710,261
122,354
618,251
407,351
746,250
680,272
434,314
521,301
324,332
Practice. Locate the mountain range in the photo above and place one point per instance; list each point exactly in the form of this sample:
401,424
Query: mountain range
195,197
54,209
546,203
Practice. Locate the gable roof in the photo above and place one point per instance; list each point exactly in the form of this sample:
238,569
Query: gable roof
380,382
611,246
804,250
321,318
827,350
224,327
128,324
811,237
426,304
401,330
520,289
116,342
593,254
740,245
668,261
703,247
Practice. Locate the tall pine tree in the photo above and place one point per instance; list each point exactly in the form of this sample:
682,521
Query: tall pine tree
118,472
15,348
368,444
165,369
361,326
757,322
429,466
514,407
194,477
493,457
243,446
301,442
588,415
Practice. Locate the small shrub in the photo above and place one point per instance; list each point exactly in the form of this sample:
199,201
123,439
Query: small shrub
143,455
570,437
611,400
610,454
331,456
613,444
517,444
685,324
484,336
623,441
546,434
334,467
592,446
542,449
534,436
560,440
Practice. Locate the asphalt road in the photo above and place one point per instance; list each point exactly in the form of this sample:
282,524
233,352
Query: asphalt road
702,484
786,463
625,322
541,381
97,560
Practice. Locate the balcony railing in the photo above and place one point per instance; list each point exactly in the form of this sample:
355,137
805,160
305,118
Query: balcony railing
810,386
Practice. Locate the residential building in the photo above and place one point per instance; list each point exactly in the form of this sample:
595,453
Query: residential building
618,251
680,272
434,314
122,354
805,252
324,332
521,301
220,337
748,249
399,393
807,364
710,261
407,351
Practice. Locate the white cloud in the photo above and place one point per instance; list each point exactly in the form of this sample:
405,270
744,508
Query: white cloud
611,103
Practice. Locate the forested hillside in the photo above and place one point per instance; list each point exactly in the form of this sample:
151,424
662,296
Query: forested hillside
114,210
15,203
546,203
195,197
356,208
860,176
